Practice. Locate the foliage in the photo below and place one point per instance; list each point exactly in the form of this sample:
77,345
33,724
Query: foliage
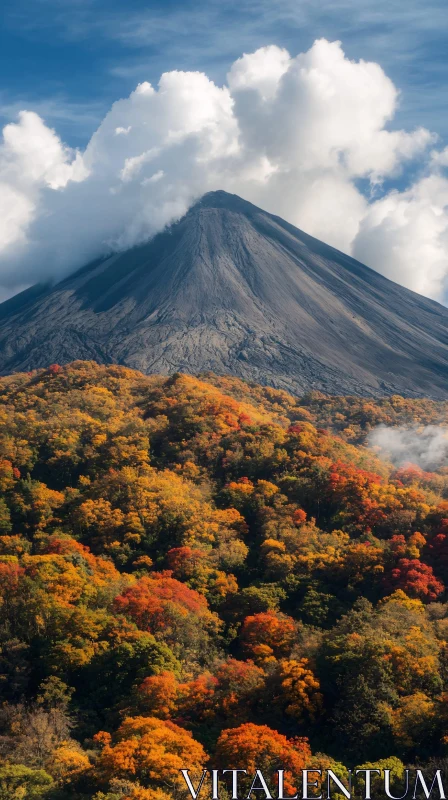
202,571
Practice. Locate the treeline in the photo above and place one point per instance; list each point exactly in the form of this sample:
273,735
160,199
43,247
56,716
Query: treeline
204,572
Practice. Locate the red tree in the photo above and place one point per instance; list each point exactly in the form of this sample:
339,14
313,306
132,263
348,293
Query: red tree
268,634
254,747
414,578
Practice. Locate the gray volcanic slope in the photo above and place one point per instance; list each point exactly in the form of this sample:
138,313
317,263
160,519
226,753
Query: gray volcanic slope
233,289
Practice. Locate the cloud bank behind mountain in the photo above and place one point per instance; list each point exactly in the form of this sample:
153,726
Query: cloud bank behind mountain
308,138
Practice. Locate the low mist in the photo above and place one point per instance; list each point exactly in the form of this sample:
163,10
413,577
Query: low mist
425,446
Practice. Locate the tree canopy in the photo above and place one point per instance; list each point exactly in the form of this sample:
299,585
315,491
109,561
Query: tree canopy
196,571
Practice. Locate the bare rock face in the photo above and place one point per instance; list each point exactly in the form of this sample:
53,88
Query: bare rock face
233,289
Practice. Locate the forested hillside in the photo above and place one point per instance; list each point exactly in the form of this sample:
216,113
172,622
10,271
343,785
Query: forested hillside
201,572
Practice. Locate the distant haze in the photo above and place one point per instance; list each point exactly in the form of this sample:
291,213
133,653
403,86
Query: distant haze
298,136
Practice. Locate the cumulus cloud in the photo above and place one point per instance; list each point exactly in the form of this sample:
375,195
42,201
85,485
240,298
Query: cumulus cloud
425,446
292,134
31,158
404,235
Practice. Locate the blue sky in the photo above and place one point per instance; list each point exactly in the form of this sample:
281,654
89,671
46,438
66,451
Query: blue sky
70,59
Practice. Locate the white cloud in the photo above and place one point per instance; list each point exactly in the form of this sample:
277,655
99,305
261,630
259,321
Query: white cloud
439,158
16,211
261,71
31,158
133,165
155,178
425,446
293,135
36,155
405,236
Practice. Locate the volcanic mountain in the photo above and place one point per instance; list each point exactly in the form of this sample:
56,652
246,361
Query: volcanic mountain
233,289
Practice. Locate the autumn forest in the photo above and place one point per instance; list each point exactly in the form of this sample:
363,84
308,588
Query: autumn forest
201,572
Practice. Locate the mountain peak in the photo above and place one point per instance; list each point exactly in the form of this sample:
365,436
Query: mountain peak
243,293
221,199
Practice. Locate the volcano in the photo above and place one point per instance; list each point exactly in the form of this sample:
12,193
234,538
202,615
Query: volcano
235,290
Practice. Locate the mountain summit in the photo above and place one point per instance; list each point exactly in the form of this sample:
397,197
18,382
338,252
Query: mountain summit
233,289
